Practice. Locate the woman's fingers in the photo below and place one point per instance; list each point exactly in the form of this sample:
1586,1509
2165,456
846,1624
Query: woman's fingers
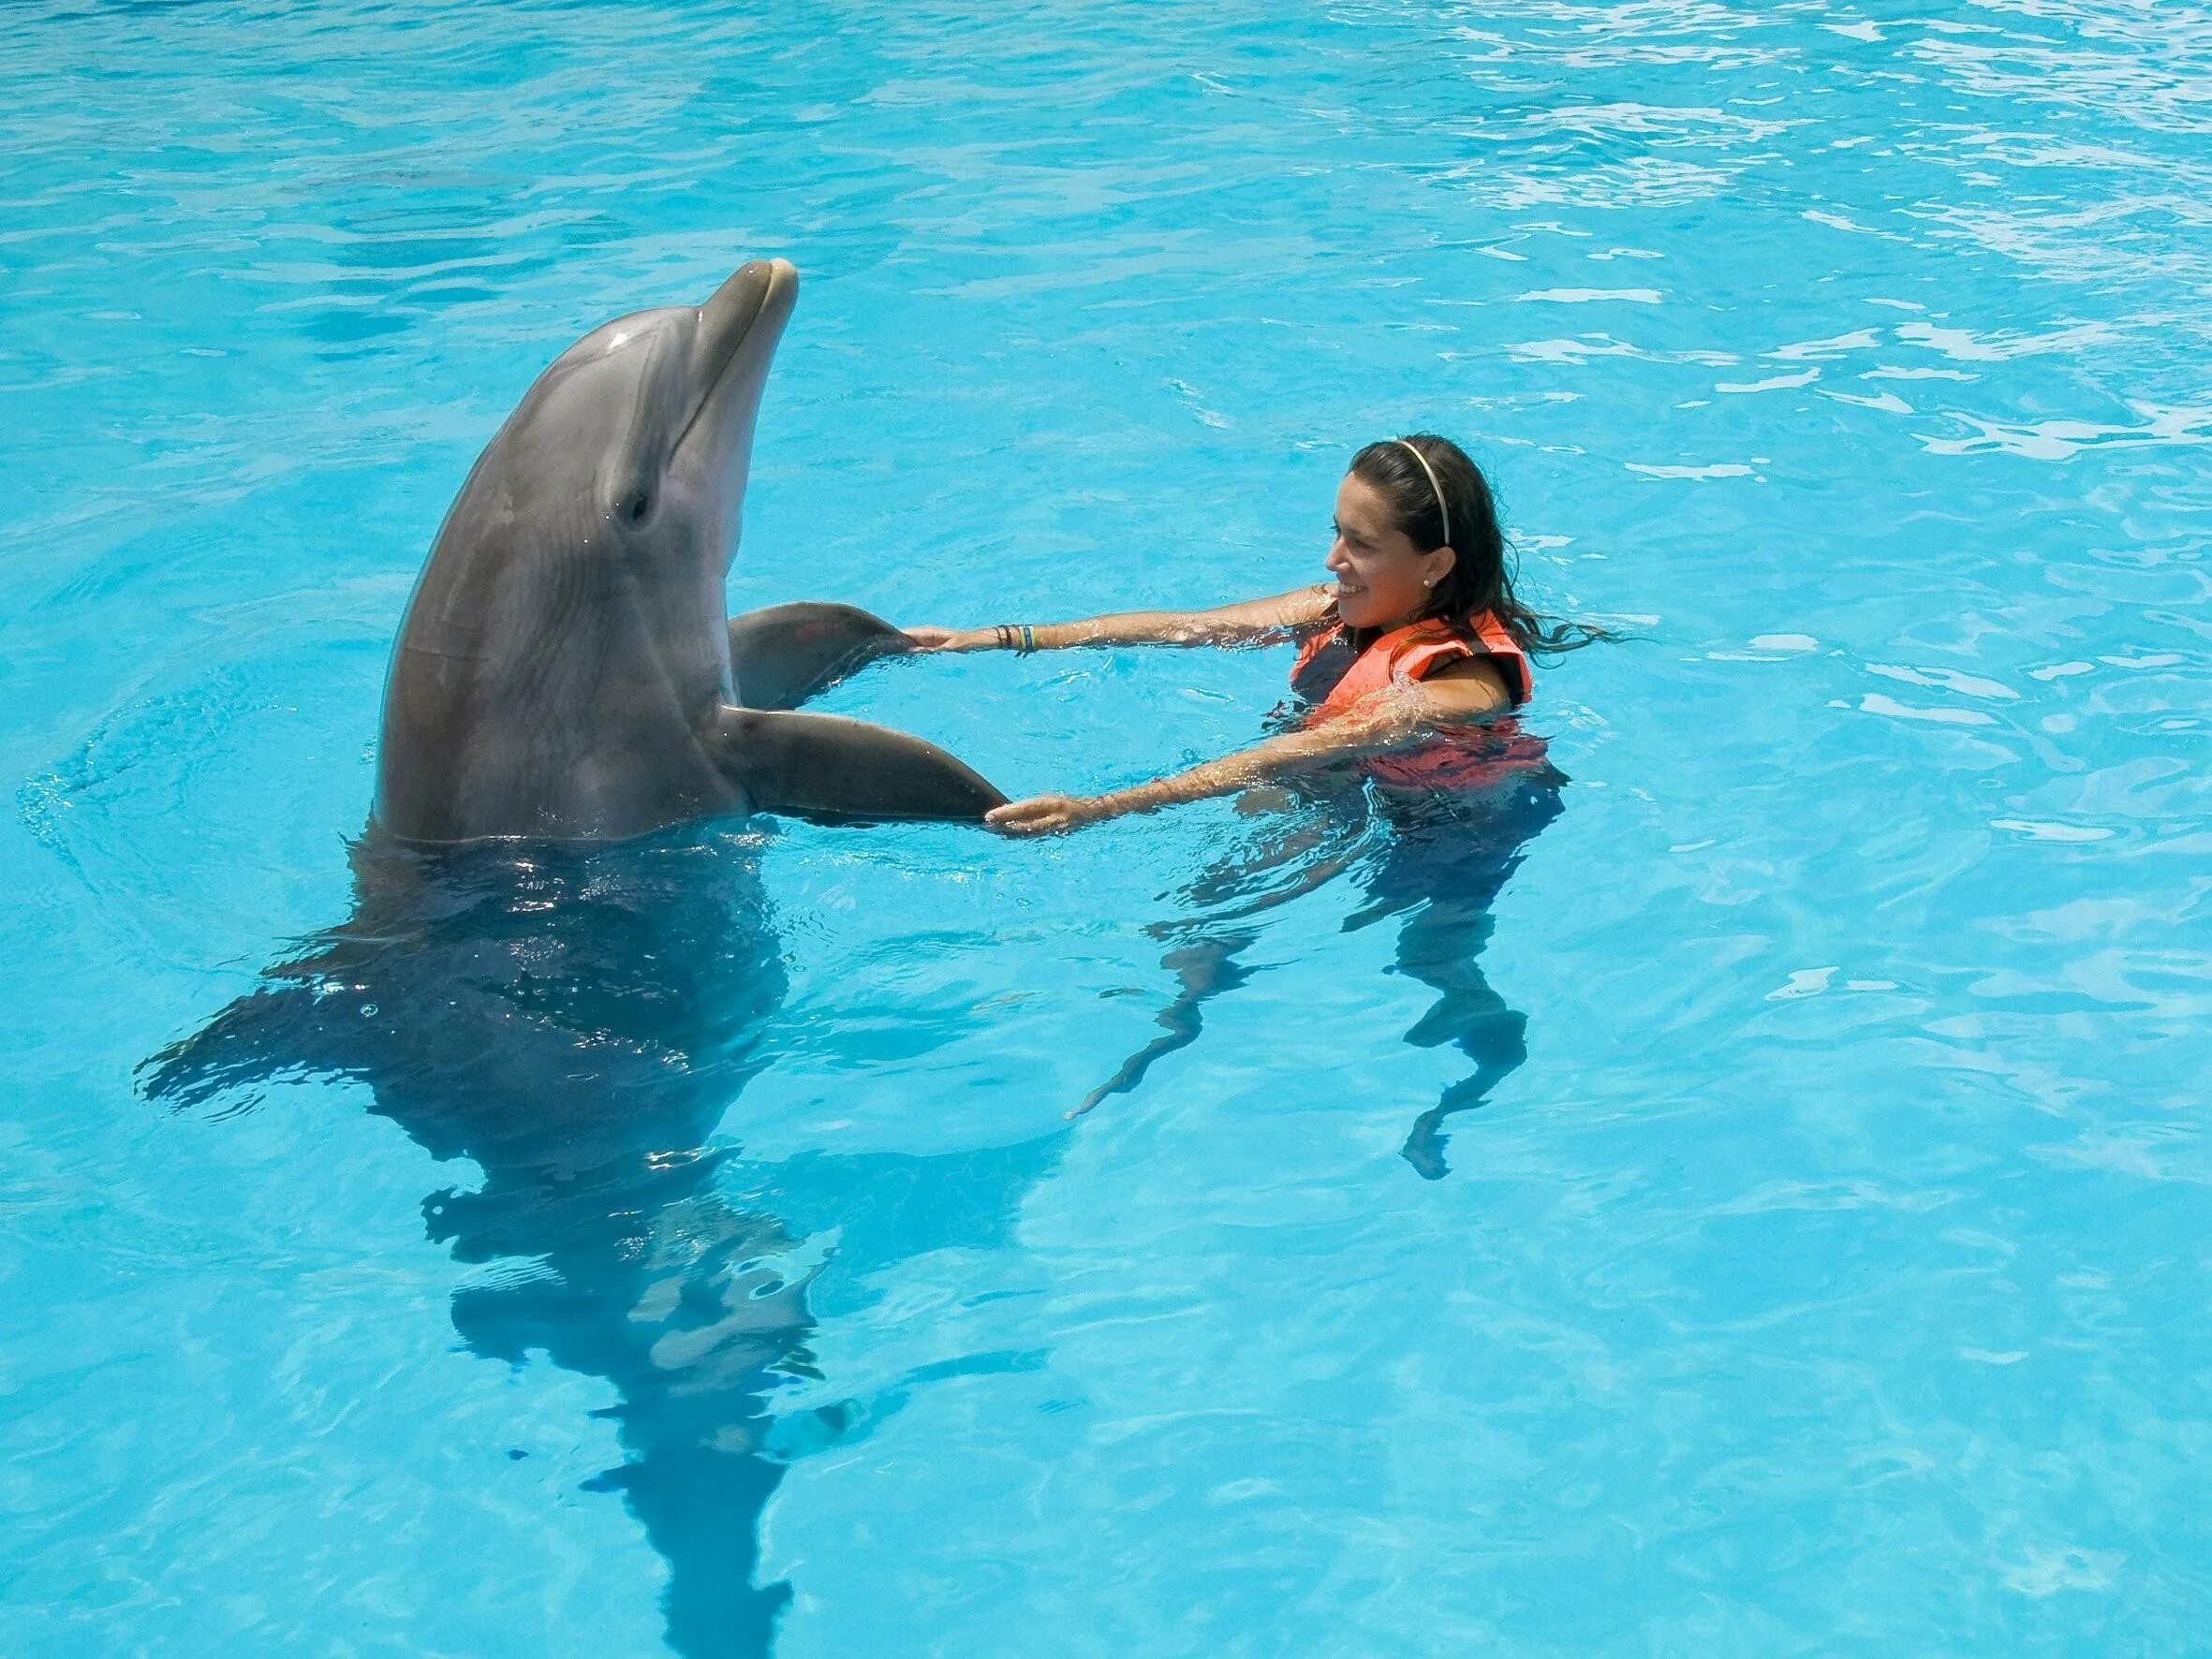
1038,815
931,638
1041,814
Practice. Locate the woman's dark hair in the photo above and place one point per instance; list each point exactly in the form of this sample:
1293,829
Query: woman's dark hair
1481,576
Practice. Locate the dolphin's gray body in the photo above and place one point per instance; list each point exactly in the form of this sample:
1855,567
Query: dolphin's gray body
568,670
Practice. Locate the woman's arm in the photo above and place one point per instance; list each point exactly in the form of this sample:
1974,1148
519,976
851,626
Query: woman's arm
1468,692
1248,623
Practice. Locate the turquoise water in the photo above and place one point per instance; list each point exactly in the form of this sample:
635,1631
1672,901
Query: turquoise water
1820,1258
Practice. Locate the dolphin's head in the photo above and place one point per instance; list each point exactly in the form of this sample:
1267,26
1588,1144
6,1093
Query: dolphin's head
643,429
622,470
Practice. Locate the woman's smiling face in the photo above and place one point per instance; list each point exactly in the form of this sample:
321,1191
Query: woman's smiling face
1381,580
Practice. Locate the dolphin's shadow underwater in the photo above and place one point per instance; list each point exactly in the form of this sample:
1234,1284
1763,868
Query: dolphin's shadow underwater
575,1020
1433,861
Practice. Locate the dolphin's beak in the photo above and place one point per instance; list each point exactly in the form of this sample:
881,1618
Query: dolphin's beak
732,346
741,321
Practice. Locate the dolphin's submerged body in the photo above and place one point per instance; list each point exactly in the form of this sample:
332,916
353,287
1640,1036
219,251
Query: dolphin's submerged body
574,1022
560,959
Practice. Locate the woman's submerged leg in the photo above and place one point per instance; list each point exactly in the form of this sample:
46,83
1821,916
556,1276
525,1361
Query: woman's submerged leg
1440,868
1227,900
1442,874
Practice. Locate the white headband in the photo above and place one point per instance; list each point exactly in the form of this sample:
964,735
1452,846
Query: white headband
1443,511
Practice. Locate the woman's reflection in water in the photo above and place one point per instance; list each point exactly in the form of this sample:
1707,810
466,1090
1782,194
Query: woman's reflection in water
1431,861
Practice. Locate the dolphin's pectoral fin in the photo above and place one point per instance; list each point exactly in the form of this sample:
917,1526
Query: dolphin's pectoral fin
838,770
782,655
265,1035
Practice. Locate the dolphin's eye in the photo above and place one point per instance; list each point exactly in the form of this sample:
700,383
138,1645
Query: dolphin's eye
637,506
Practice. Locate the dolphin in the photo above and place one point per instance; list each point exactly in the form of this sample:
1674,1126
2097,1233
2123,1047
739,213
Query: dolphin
568,670
558,966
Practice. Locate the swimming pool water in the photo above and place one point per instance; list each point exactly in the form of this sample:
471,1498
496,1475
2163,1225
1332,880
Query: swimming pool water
1828,1274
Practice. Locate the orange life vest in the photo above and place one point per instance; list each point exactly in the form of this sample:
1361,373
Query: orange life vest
1472,757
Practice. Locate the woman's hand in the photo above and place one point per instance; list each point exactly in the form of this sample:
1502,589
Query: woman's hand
1047,815
952,639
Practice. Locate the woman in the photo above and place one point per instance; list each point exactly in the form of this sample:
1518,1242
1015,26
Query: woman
1419,639
1406,660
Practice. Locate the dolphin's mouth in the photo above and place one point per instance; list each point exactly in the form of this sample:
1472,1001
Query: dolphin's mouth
738,328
